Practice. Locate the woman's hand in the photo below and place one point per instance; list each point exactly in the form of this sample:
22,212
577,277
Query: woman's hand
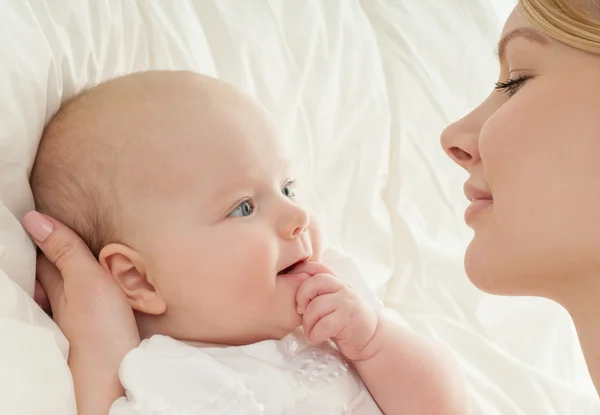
89,307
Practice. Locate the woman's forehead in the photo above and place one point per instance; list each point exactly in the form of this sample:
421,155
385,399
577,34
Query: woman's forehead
515,21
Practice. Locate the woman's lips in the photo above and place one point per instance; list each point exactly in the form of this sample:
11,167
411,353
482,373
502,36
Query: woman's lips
480,199
476,207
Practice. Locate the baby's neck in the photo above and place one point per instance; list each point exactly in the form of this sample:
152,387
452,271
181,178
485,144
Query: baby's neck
149,326
298,332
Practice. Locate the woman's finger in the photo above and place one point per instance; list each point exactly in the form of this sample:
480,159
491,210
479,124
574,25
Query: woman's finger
40,297
63,247
50,280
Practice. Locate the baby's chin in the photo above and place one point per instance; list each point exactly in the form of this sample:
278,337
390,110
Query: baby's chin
278,333
292,323
274,333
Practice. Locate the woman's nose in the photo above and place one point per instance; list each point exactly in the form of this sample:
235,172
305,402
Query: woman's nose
460,141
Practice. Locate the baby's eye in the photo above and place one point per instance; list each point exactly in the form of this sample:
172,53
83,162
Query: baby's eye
288,189
244,209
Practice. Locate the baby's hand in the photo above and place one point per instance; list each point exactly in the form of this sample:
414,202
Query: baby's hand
333,310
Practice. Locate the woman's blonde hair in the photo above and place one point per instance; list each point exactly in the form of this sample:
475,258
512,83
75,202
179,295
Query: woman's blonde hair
573,22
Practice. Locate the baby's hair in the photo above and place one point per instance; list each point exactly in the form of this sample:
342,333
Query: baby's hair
74,175
68,181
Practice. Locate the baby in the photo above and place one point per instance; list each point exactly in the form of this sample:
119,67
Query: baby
179,185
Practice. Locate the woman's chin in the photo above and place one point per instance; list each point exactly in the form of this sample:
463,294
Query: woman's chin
488,274
497,273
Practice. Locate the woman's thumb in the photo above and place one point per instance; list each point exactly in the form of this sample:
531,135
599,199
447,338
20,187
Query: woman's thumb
63,247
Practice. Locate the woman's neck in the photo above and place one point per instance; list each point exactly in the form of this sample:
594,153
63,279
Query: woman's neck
582,301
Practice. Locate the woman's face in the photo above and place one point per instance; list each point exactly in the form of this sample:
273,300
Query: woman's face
532,150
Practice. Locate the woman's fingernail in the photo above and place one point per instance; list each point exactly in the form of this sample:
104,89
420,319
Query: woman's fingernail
38,226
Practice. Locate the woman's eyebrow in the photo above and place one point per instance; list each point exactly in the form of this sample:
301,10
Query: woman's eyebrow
524,32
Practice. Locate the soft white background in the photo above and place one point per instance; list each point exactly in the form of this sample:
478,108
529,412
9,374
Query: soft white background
361,90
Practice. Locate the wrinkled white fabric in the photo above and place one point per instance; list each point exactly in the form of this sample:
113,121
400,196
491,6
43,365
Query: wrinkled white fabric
273,377
361,90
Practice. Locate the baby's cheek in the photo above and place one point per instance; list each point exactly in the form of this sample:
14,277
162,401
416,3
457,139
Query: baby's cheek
316,238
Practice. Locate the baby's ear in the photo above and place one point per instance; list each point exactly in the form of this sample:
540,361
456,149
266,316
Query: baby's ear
127,268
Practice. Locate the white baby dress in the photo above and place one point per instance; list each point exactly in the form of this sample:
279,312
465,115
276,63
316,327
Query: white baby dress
274,377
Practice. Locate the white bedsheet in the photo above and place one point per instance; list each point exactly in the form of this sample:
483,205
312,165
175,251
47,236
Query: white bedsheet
361,90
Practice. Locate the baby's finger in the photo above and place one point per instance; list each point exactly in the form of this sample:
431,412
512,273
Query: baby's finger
316,310
328,327
50,280
311,268
318,285
61,246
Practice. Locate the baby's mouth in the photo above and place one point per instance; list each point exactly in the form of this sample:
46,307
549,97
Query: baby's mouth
289,269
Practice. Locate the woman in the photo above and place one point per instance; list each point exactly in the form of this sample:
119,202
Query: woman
532,150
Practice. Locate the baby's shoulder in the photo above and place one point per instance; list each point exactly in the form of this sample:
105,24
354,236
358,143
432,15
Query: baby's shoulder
163,374
167,359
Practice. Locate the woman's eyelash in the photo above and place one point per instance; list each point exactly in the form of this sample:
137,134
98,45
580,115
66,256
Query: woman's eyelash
511,86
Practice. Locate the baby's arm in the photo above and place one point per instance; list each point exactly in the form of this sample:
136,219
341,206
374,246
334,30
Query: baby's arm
404,372
409,374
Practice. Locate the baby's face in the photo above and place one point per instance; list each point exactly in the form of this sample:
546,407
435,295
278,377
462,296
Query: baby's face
213,214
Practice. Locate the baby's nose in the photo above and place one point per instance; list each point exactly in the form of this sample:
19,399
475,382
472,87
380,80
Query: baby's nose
296,223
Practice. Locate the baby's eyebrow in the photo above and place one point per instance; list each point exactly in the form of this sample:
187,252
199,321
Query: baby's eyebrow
524,32
226,191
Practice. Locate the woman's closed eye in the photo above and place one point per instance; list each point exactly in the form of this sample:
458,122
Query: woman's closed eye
246,208
512,86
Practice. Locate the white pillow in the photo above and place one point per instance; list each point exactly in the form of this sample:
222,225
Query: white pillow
50,50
